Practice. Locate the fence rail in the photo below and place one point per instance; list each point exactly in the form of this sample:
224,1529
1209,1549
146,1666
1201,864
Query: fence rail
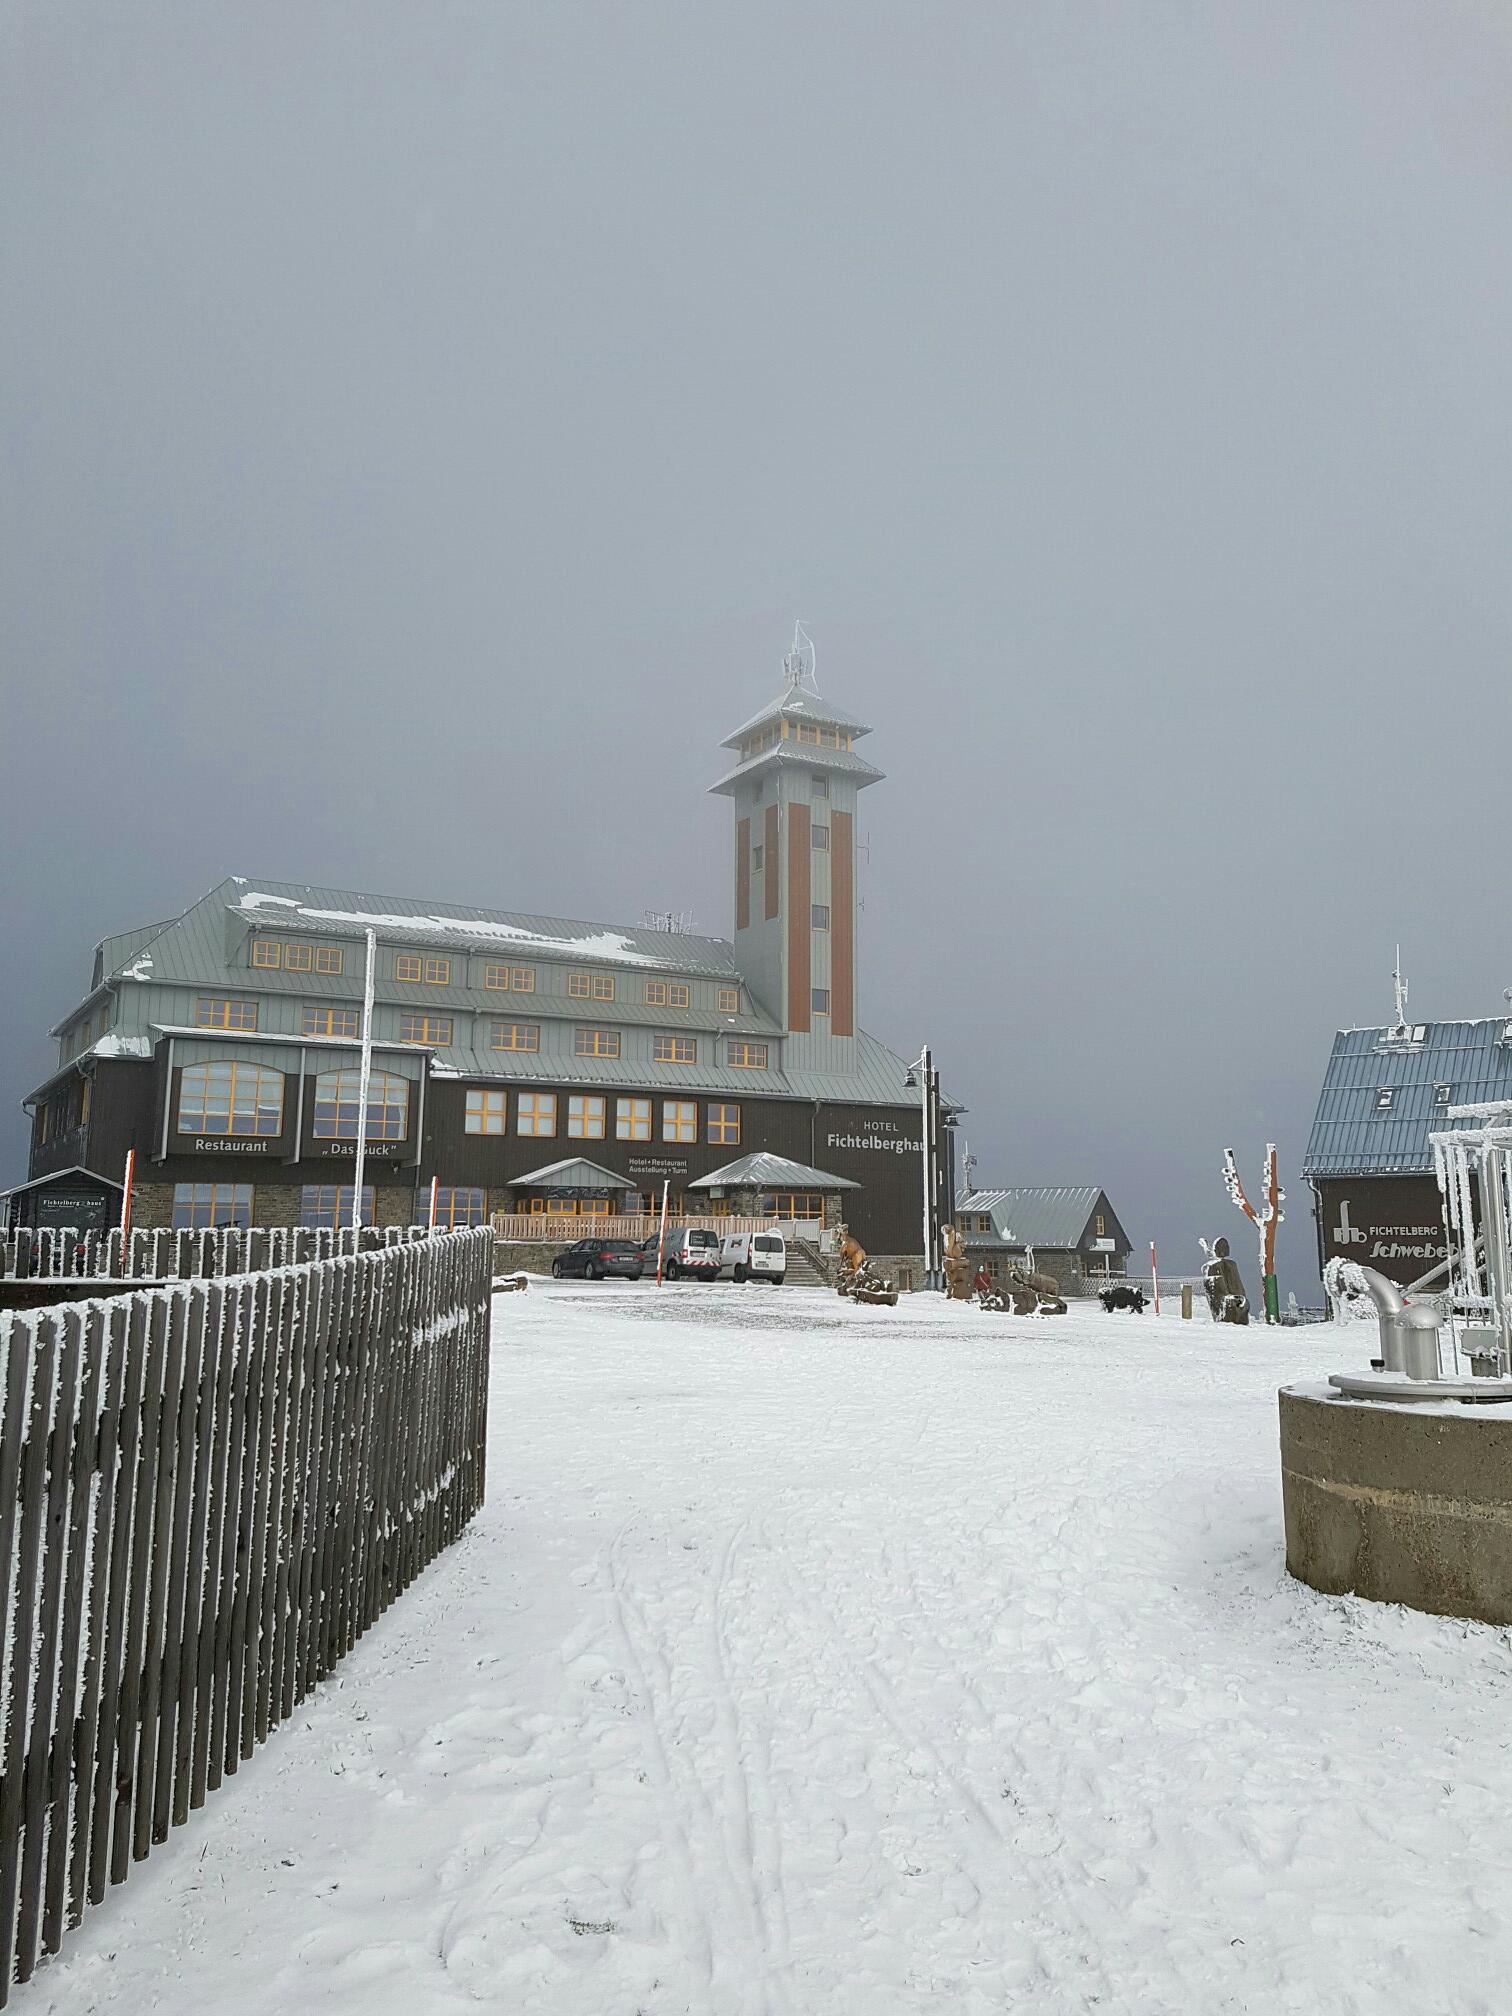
51,1253
550,1228
208,1492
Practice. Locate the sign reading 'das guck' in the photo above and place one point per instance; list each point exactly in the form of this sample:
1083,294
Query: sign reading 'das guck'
378,1150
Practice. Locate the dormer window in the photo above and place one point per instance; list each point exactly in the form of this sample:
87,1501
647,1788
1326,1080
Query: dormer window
1442,1095
1385,1098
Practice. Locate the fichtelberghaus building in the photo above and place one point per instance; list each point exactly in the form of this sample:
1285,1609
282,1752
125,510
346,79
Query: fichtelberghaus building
527,1063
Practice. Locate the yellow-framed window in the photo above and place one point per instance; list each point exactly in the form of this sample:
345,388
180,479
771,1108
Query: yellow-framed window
1102,1229
585,1116
723,1123
595,1207
299,958
338,1101
328,1206
230,1097
319,1020
330,959
794,1204
536,1114
198,1207
674,1050
603,986
516,1036
267,952
656,993
408,966
679,1120
416,1027
437,971
456,1204
727,1000
577,986
741,1055
632,1119
595,1042
651,1204
218,1011
487,1110
507,979
86,1088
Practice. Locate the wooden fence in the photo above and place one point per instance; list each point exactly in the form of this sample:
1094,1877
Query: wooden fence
160,1255
207,1493
556,1229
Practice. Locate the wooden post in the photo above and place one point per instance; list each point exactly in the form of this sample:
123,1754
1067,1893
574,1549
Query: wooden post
129,1186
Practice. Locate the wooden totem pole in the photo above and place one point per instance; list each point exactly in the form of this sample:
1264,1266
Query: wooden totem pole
1265,1220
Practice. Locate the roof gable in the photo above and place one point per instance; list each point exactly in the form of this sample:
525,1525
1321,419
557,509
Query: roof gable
1357,1131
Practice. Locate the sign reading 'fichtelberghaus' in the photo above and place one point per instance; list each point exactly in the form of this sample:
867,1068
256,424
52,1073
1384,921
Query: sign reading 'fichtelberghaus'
888,1142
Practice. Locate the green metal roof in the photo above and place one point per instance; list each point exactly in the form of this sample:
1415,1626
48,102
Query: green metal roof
770,1172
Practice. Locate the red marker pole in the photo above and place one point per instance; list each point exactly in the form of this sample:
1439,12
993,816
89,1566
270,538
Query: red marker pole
126,1193
1155,1277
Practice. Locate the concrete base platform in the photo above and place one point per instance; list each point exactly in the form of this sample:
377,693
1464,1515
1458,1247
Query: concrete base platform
1403,1504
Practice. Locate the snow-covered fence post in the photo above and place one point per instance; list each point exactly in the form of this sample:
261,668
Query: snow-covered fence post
1265,1220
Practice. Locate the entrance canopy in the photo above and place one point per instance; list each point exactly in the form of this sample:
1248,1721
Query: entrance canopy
771,1172
575,1177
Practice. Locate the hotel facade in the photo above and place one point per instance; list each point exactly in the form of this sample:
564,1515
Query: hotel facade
526,1066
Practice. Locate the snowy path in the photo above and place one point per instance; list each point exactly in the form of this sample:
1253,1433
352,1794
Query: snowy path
811,1661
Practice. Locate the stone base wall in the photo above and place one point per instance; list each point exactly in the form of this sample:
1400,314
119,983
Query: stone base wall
151,1205
1401,1504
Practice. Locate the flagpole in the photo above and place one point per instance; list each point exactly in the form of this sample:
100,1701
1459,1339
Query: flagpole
365,1079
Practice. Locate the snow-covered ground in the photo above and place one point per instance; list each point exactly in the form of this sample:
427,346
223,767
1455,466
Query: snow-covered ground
809,1660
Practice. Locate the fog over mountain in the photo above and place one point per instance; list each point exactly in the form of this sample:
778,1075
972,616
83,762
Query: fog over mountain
423,425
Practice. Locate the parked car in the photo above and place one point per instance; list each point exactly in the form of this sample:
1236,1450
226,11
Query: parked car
692,1252
594,1259
753,1256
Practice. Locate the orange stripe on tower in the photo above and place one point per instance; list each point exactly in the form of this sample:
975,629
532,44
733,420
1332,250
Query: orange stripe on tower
799,980
842,924
743,875
770,862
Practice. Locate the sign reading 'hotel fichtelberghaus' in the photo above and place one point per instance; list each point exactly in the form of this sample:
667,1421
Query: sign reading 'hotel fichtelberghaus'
881,1135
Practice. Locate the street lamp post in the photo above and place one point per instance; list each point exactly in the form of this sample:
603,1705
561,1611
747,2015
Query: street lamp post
922,1073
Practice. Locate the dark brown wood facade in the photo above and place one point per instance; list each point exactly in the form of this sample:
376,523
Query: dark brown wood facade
876,1147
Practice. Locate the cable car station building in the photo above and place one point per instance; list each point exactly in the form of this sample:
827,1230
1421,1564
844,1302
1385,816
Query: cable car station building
533,1066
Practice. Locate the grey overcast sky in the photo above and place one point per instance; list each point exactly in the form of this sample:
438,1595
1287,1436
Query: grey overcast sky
423,423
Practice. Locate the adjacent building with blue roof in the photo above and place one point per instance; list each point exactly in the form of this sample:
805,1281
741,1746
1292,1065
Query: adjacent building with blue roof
1385,1093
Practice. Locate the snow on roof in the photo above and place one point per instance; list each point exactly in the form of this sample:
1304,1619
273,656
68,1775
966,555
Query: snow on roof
328,910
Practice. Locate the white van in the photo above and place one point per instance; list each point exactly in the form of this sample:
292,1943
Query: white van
753,1256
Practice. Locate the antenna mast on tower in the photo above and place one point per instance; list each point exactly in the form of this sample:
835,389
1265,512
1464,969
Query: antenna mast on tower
1400,1026
800,663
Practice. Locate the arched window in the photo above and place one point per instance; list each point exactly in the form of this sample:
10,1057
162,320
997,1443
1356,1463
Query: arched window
230,1098
338,1098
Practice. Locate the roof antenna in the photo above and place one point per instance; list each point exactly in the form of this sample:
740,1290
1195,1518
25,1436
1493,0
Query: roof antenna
800,662
1399,1028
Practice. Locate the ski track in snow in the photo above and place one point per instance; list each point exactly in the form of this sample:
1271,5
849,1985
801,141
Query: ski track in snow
814,1661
